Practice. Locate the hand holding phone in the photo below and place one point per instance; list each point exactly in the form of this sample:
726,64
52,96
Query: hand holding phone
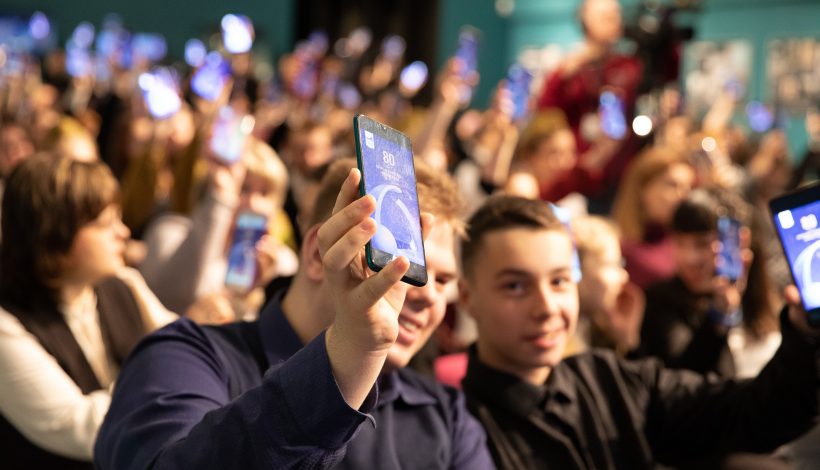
250,228
210,79
385,159
796,218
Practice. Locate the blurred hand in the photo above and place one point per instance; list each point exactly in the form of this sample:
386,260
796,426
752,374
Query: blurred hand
627,317
226,181
453,83
266,268
797,314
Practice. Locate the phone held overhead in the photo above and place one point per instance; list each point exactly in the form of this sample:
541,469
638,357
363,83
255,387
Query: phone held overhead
385,160
796,218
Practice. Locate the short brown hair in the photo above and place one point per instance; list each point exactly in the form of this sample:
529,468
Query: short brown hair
438,194
502,212
47,199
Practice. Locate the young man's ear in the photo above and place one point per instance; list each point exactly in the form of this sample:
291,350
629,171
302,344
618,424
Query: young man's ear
464,296
309,257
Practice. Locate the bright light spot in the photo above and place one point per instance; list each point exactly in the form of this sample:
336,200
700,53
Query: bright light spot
642,125
709,144
237,33
38,26
195,52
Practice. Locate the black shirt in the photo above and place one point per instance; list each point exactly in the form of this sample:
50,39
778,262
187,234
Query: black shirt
597,410
677,329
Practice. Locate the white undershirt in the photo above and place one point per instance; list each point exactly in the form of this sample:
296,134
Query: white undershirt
37,396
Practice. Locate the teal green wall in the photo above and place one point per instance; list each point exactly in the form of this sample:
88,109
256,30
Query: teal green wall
177,20
540,22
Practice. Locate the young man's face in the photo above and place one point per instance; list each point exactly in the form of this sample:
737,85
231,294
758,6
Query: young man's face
521,294
696,257
424,307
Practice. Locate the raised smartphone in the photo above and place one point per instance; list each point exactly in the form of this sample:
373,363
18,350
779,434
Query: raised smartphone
795,217
230,132
385,159
250,227
518,83
730,262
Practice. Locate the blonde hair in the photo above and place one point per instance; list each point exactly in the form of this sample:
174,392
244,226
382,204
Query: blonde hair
261,160
628,210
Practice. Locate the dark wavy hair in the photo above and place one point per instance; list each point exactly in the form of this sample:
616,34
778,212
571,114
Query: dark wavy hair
47,199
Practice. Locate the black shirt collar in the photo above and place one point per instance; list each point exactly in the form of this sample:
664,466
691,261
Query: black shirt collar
502,389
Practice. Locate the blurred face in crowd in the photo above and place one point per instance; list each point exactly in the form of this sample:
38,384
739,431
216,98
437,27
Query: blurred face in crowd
554,154
662,194
98,248
604,276
313,149
521,294
602,20
696,257
15,146
424,307
257,195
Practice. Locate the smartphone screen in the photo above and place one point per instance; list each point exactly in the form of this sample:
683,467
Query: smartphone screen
729,263
613,120
160,92
518,82
230,132
413,76
209,80
250,227
796,219
467,49
237,33
385,158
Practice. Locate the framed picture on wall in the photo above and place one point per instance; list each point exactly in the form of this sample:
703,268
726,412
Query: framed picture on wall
793,73
711,67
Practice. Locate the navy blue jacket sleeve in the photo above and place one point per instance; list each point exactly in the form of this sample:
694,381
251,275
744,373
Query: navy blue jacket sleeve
171,408
469,440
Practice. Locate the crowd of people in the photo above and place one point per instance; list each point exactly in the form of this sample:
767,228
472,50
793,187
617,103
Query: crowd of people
573,306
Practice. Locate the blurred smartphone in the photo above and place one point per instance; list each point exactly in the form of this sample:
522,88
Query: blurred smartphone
796,219
348,96
518,83
413,76
393,48
195,52
78,62
149,46
230,133
467,50
730,263
250,227
385,159
237,33
209,80
611,113
160,92
759,116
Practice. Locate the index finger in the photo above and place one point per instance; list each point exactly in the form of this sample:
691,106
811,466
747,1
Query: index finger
349,191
